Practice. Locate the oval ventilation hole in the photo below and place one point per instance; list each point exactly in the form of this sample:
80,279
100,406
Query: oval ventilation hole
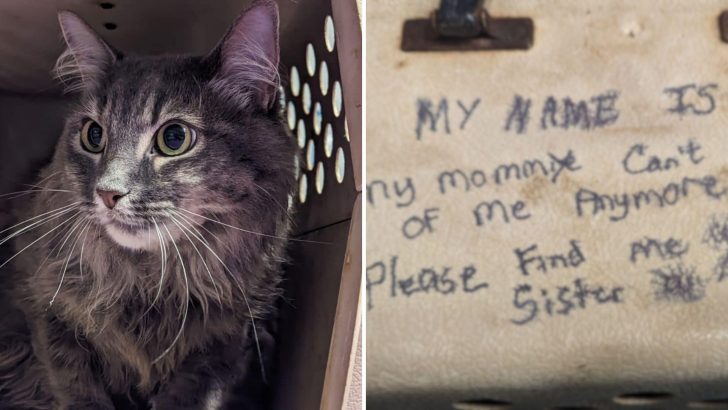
106,6
295,82
290,202
320,177
346,129
324,78
301,134
642,398
110,26
482,404
318,118
329,33
709,404
306,98
291,114
340,166
310,60
336,98
310,155
302,188
328,141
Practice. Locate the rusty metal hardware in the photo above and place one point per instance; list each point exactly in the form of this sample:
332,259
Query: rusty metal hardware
462,25
723,26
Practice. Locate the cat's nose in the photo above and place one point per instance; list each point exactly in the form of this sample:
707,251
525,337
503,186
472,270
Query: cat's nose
110,198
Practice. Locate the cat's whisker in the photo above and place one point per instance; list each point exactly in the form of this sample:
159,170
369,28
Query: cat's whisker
202,259
255,233
68,258
37,240
163,253
80,256
247,304
50,240
75,226
55,174
192,225
40,216
44,179
18,194
38,184
35,225
285,211
187,300
237,282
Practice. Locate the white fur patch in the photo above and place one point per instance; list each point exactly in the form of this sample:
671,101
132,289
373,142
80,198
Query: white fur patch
214,400
143,239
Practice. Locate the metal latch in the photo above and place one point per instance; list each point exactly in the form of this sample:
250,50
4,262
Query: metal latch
461,25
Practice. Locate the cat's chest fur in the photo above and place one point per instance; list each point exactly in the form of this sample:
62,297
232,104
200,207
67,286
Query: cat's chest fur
139,316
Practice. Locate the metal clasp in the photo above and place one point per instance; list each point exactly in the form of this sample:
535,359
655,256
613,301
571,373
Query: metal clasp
460,18
461,25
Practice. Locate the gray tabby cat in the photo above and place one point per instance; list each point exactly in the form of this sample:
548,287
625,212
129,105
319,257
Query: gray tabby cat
149,256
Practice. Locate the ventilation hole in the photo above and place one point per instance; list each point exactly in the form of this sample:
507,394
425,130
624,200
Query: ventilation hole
291,113
329,33
295,82
290,202
310,60
106,6
306,98
296,166
110,26
301,134
346,130
318,118
482,404
642,398
302,188
328,141
310,155
340,165
324,78
709,404
320,177
336,98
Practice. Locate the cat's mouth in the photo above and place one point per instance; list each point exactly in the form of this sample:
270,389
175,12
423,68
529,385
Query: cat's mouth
136,232
126,225
122,221
129,231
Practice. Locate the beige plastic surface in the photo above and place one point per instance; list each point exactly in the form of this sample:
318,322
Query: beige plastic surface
658,330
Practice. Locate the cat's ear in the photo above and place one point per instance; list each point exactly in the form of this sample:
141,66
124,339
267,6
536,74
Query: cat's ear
247,57
87,56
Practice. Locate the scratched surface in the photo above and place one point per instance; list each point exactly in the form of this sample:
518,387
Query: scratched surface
551,220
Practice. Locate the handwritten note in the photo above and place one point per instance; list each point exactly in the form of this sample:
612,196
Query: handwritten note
673,282
573,191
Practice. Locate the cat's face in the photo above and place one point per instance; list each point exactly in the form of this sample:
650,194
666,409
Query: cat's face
158,141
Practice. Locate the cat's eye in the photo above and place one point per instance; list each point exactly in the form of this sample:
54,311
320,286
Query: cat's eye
93,137
175,138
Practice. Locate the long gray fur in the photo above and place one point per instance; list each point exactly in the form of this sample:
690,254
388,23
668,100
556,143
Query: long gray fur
99,323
